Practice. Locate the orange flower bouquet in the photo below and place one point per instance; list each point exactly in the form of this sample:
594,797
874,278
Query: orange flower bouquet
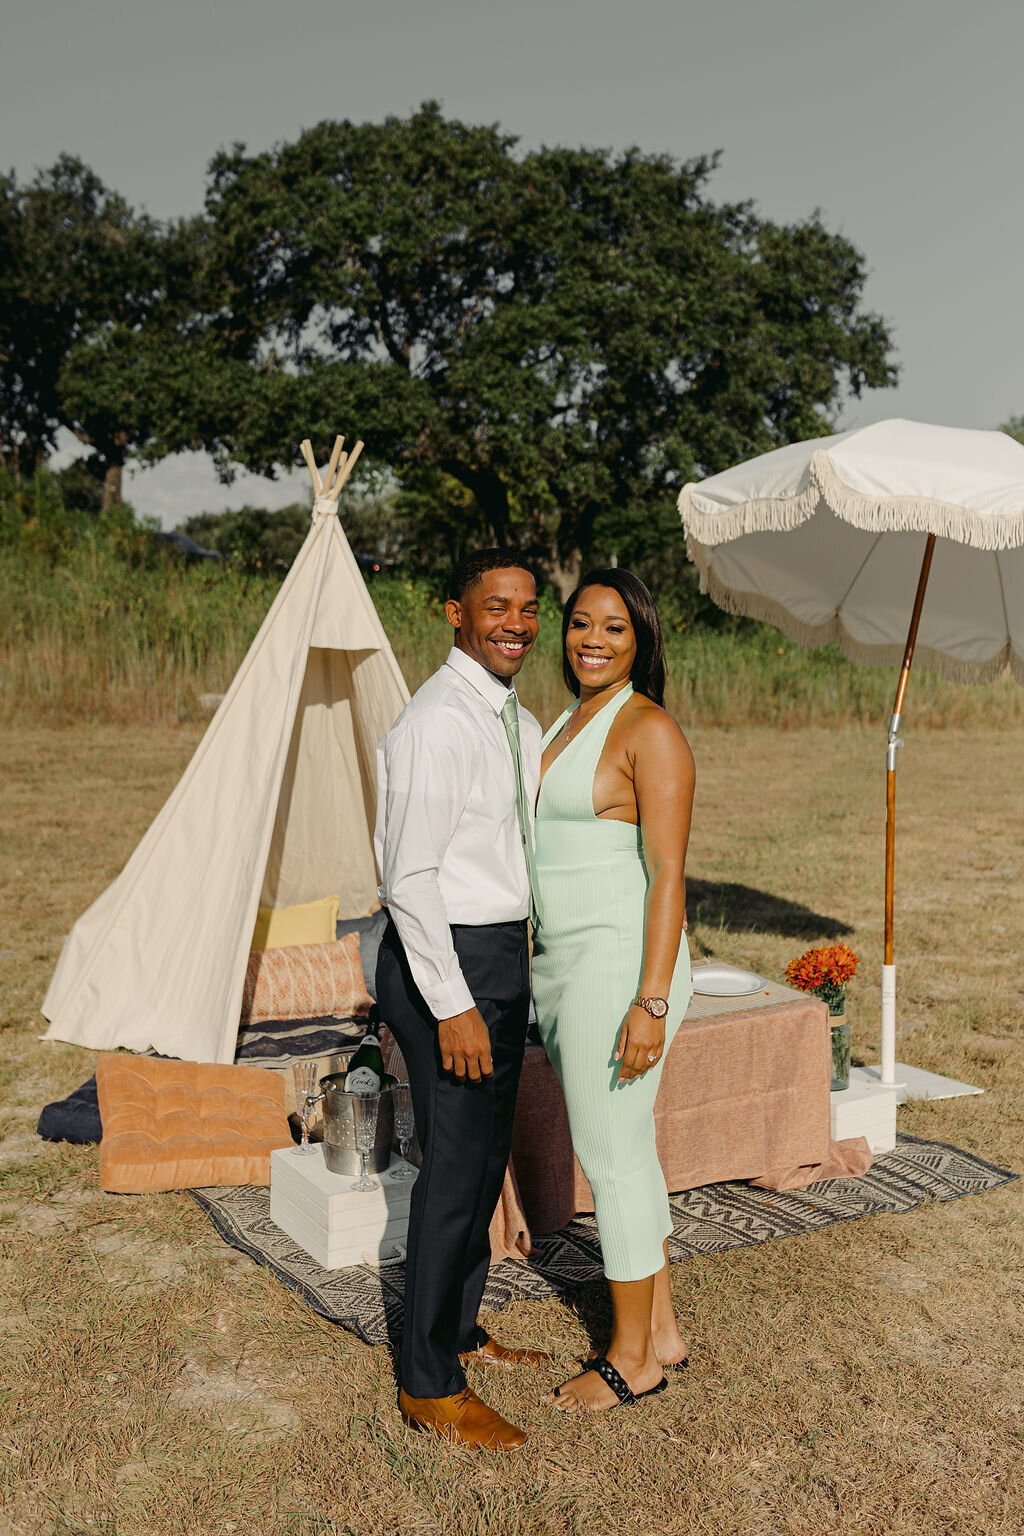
824,972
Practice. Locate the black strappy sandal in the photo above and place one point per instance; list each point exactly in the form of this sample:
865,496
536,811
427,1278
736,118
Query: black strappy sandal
587,1362
611,1378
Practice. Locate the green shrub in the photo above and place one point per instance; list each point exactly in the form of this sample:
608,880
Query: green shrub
100,620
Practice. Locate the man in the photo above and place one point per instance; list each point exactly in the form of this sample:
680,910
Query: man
457,779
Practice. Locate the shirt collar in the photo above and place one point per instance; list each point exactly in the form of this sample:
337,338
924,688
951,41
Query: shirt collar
489,687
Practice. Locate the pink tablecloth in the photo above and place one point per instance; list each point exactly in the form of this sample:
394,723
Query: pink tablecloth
744,1095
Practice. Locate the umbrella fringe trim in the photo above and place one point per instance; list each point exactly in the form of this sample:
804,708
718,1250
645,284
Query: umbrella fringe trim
916,514
754,605
875,514
772,514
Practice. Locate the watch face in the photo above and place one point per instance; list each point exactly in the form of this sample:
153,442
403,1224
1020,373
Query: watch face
659,1007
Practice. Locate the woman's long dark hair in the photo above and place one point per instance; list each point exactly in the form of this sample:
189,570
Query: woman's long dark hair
648,671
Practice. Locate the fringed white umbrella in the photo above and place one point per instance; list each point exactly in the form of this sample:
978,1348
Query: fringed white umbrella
895,540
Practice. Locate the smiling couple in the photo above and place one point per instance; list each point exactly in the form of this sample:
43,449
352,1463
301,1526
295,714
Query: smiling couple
468,850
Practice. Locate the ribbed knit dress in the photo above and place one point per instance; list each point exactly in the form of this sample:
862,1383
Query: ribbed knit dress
587,965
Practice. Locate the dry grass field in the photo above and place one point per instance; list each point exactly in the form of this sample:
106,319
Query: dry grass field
865,1379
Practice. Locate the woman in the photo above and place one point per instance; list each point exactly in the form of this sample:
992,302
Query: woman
611,972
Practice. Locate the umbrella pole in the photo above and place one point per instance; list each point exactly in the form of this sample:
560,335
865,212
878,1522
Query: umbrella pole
888,1051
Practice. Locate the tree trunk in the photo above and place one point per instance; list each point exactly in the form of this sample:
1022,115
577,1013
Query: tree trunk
112,486
574,544
491,496
565,572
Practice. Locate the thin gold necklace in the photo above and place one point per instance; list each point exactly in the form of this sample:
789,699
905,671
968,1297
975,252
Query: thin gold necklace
576,714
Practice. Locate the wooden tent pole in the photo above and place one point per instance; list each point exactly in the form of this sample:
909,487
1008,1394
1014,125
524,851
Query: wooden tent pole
339,443
338,470
895,741
306,448
349,463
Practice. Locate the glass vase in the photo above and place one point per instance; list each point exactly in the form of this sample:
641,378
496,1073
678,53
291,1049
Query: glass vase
840,1054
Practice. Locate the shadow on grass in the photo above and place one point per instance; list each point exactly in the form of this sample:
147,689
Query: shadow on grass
593,1307
740,908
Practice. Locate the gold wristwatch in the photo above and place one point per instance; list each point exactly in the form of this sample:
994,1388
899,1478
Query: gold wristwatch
657,1007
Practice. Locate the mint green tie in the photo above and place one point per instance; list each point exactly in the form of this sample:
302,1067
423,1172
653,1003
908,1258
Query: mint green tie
510,720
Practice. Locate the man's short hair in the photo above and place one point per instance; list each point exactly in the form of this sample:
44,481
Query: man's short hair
474,566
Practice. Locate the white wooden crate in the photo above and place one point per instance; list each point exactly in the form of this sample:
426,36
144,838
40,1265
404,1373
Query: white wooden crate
865,1109
335,1224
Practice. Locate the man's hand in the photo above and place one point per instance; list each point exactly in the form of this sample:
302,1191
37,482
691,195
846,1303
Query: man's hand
465,1046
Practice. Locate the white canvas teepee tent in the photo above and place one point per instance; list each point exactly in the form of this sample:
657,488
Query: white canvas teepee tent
275,808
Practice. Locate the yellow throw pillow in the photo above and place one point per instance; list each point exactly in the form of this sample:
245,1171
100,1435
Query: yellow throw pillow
312,923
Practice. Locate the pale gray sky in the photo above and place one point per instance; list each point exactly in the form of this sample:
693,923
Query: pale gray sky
899,119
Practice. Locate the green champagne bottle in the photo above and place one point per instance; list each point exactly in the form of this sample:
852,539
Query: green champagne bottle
366,1072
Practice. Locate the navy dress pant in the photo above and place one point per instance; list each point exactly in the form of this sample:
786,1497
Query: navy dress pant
465,1132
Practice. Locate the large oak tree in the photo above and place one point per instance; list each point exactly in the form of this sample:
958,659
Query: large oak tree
542,346
553,341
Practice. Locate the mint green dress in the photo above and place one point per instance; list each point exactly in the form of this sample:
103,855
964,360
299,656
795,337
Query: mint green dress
587,965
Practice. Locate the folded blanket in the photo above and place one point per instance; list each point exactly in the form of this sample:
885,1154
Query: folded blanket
76,1118
282,1040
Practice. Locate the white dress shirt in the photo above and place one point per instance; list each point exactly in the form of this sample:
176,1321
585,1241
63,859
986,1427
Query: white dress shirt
448,844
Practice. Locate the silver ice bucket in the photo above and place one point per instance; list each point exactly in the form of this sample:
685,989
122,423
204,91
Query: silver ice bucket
340,1153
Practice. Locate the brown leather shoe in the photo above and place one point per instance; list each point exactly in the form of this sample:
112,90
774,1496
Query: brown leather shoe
462,1418
493,1353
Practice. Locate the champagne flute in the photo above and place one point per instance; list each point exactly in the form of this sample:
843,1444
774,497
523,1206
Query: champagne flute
364,1112
401,1095
304,1075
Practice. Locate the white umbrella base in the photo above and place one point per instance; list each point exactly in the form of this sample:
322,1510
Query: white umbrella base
915,1083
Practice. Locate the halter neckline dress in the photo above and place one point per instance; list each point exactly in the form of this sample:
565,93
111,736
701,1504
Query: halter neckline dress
587,966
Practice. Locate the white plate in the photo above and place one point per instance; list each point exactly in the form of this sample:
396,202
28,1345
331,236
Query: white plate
725,981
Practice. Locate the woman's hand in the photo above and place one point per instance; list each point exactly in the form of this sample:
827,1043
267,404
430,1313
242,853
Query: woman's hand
641,1043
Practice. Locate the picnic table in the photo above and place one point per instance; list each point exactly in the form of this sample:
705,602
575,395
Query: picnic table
744,1094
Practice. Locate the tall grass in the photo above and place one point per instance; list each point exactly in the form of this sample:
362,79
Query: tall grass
757,677
96,638
98,621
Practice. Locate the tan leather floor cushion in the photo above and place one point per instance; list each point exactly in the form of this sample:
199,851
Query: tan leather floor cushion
177,1124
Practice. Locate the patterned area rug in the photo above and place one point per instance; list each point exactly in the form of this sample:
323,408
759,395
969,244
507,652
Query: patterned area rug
368,1301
